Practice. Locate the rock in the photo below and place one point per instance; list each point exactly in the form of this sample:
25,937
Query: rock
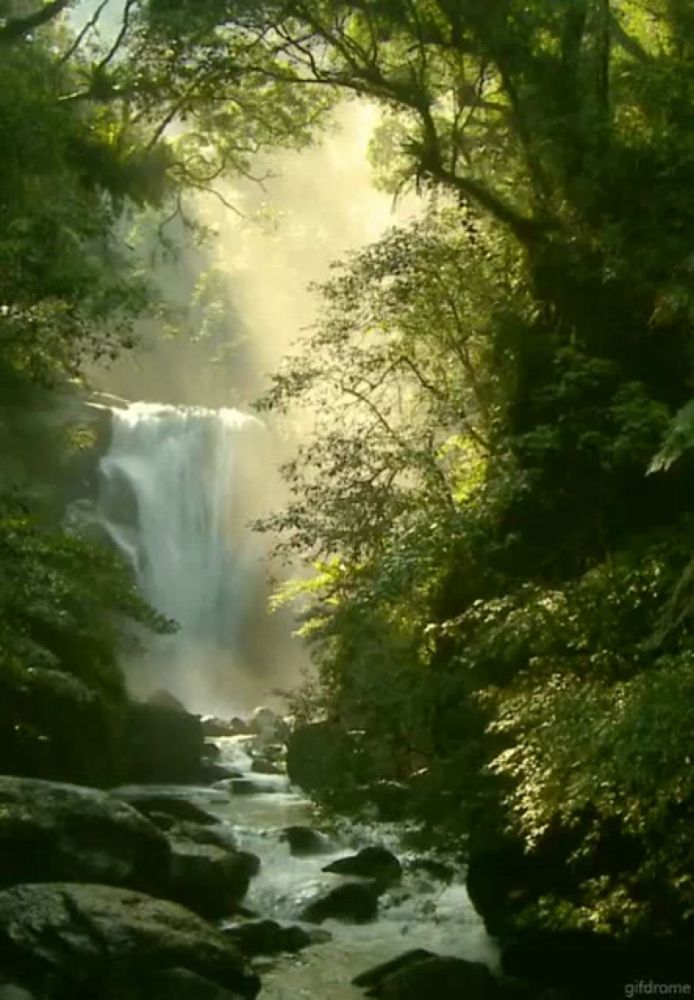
352,902
213,772
377,973
166,745
267,937
268,725
375,863
212,726
164,699
262,766
210,879
211,751
10,991
98,941
51,832
304,841
218,836
182,984
243,786
438,976
168,799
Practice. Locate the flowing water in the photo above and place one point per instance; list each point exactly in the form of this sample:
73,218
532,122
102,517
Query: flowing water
419,913
176,495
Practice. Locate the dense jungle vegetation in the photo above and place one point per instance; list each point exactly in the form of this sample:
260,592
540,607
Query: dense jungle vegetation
497,496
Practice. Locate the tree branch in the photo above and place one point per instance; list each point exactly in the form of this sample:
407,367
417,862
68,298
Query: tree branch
17,27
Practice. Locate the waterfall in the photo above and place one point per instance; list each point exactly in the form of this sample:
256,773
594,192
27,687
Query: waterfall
174,500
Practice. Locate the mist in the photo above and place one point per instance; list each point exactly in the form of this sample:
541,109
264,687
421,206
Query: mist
266,253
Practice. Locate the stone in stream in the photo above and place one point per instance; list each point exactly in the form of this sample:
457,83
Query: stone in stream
260,765
374,862
181,984
303,841
211,750
208,878
51,831
351,902
214,727
436,976
377,973
213,772
268,725
171,799
101,942
267,937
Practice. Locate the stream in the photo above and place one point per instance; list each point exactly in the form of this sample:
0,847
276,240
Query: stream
419,912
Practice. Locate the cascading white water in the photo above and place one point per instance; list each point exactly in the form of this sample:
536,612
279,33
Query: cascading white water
172,499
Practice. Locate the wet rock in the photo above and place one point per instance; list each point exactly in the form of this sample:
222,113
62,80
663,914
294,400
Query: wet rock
377,973
213,772
166,744
51,831
267,937
11,991
165,699
440,977
374,862
172,800
210,879
243,786
352,902
303,841
218,836
268,725
182,984
212,726
79,941
211,751
261,765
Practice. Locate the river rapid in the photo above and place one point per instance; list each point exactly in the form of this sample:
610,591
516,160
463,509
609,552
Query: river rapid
420,912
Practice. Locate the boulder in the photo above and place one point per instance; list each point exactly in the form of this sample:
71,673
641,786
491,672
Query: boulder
165,699
88,941
214,727
268,725
208,878
182,984
436,976
211,751
377,973
351,902
212,772
166,744
303,841
260,765
267,937
374,862
59,832
170,799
